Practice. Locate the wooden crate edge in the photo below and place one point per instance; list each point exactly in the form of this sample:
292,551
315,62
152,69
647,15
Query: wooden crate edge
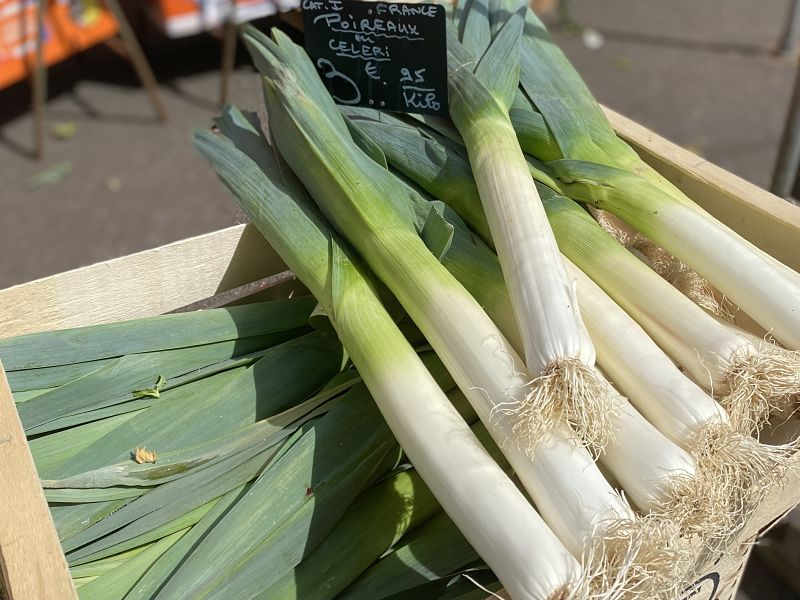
32,563
146,283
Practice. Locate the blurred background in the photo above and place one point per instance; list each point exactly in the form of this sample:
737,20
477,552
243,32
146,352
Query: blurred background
101,173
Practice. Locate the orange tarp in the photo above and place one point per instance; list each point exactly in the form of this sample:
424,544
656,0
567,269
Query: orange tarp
63,36
188,17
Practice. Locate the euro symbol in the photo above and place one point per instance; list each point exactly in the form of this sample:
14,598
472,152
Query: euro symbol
372,70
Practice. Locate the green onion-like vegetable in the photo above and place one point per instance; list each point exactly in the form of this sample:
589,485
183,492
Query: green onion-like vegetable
344,180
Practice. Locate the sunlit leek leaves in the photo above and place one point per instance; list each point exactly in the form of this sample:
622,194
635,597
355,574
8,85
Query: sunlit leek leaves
212,407
293,504
153,334
377,520
132,377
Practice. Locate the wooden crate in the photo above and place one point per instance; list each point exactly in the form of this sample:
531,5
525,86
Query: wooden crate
166,278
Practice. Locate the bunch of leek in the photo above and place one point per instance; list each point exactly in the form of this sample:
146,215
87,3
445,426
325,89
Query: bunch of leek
311,135
716,473
733,470
313,458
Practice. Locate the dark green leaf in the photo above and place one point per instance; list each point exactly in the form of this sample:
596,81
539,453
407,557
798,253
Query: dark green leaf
153,334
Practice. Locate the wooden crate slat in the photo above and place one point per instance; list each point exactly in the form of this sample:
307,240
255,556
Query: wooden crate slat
139,285
33,565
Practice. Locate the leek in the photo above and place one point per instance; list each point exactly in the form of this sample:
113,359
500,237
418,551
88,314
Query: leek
663,479
557,347
154,579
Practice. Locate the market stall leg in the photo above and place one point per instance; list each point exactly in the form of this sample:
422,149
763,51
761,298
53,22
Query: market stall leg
39,82
138,59
228,58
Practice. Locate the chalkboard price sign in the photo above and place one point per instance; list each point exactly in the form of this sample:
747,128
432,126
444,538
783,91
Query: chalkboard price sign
390,56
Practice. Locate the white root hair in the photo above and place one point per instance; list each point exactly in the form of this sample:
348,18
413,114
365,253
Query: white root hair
566,391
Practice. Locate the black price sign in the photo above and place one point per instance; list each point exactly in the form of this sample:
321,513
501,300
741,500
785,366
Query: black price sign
391,56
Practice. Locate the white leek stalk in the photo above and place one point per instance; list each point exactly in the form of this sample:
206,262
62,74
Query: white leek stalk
557,347
485,504
750,380
660,477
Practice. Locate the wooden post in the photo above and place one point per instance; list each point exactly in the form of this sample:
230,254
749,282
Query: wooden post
138,59
787,46
33,565
39,83
228,56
